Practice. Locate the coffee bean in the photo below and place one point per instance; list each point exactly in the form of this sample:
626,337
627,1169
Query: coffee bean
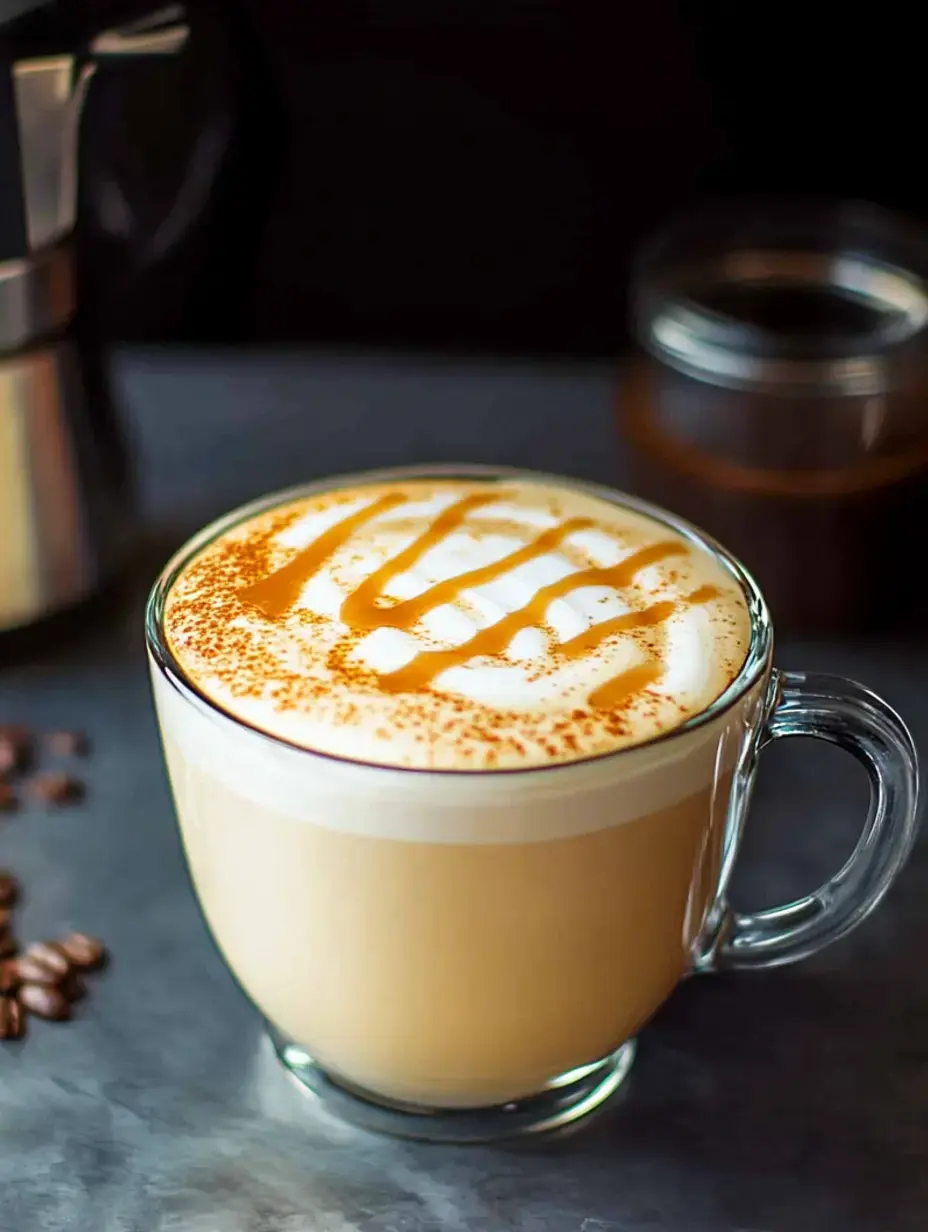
8,946
56,788
66,743
9,888
12,1019
74,987
9,977
16,745
82,950
31,971
47,953
42,963
8,800
45,1001
17,733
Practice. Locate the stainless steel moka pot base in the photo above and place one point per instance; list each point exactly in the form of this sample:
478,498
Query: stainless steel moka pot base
65,511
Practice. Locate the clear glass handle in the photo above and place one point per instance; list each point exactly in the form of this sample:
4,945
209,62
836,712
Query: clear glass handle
844,713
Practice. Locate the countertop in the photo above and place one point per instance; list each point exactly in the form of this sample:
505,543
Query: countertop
789,1101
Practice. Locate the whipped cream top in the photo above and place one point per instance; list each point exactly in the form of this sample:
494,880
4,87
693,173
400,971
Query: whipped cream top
457,624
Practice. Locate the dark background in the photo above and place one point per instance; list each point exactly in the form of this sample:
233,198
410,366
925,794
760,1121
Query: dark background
475,173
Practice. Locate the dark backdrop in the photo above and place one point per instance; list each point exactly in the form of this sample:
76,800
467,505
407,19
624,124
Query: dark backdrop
475,173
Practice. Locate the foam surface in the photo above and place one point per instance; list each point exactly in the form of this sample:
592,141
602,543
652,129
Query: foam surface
457,624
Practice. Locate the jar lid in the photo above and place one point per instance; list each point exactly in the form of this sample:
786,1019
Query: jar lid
800,298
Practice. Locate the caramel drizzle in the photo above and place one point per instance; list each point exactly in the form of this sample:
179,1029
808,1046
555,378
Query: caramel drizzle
627,684
590,638
704,594
279,591
361,611
422,670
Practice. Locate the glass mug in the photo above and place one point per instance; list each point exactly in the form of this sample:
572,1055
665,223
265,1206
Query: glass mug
467,955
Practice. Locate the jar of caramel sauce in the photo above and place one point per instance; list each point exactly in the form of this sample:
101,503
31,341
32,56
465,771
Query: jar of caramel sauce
778,398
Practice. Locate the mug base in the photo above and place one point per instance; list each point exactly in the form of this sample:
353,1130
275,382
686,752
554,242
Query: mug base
564,1101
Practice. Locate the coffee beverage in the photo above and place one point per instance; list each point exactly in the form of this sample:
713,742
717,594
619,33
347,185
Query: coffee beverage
455,940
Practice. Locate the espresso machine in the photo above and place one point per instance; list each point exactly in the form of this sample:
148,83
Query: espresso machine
66,516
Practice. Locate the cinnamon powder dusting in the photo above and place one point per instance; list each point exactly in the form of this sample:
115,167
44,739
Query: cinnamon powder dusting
238,622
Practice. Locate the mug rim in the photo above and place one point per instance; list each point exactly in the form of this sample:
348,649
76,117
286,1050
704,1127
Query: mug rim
756,661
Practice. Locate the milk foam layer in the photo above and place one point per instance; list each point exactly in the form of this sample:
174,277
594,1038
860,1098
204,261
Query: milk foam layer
457,624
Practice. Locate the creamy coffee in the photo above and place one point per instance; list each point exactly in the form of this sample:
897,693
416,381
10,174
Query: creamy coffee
456,625
454,940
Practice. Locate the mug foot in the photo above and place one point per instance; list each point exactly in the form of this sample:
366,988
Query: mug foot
564,1101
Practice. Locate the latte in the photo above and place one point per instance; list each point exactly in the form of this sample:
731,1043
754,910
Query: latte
453,940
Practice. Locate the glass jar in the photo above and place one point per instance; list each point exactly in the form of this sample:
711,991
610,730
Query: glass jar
778,398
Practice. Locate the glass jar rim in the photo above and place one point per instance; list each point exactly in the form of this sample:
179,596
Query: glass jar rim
848,250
